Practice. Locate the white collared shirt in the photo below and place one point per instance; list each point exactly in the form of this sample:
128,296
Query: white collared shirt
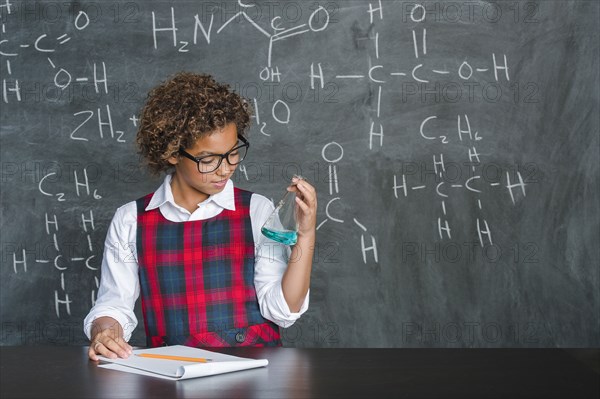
119,283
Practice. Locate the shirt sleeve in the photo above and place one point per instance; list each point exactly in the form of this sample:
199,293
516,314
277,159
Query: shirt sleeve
271,259
119,284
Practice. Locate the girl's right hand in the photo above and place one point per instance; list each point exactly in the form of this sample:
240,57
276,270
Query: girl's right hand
109,341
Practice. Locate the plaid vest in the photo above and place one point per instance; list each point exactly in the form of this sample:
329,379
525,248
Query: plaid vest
197,279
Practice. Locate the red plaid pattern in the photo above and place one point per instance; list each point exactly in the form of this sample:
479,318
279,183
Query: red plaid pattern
197,279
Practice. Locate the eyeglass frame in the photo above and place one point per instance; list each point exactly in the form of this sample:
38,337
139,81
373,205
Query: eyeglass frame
223,156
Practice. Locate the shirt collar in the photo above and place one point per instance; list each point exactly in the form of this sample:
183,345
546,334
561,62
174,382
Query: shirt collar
163,194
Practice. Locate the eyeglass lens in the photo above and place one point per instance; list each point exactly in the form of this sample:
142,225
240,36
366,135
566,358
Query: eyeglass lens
212,163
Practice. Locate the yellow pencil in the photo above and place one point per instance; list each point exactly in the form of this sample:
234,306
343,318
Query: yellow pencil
180,358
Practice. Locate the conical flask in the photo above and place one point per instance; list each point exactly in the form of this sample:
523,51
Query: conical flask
282,224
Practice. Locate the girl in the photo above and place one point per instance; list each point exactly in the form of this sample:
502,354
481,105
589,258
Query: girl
203,282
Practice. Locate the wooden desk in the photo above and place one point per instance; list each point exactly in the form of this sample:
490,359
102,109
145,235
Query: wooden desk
65,372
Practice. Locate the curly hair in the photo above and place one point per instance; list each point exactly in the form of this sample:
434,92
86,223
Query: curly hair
183,109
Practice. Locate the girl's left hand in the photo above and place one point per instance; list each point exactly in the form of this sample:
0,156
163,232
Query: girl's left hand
306,199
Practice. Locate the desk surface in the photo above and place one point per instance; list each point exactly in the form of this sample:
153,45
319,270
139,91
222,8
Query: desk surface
65,372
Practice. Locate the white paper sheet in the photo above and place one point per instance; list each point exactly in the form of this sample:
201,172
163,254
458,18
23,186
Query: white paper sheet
181,370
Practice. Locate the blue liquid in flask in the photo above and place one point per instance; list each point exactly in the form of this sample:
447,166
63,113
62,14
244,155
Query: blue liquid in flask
284,237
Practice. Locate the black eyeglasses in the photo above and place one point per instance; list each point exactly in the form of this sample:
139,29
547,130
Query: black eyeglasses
210,163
